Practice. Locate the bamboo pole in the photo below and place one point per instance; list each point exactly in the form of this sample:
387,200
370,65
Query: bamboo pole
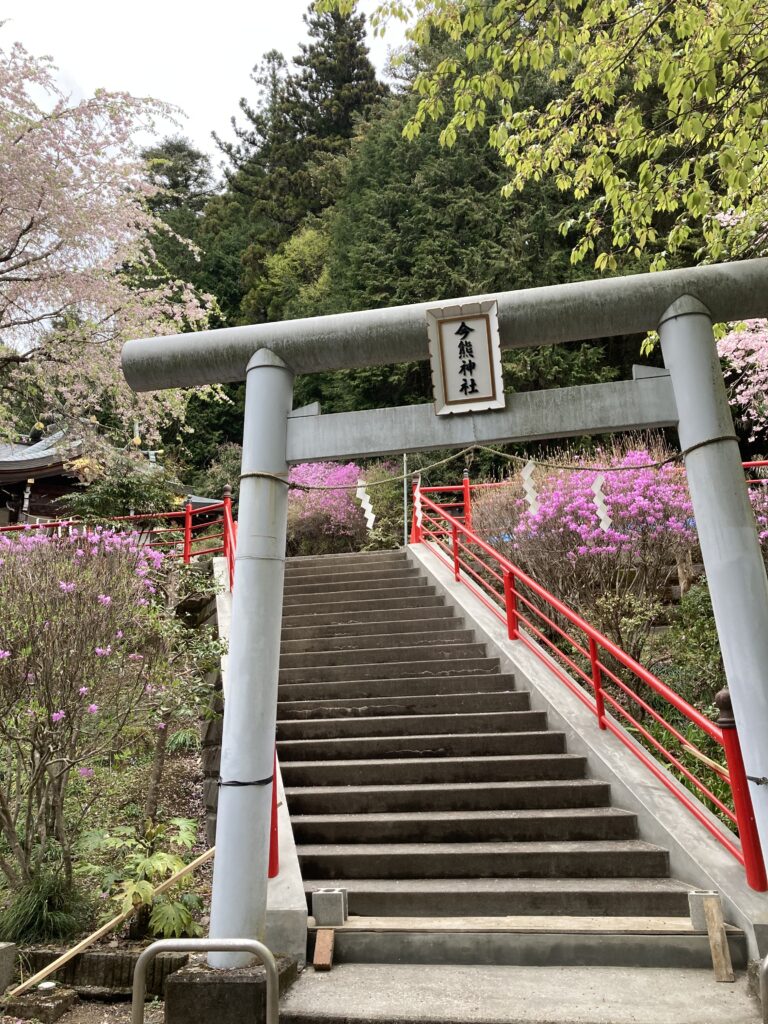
105,929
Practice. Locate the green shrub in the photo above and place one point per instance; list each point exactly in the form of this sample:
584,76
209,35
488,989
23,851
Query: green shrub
46,908
689,652
128,485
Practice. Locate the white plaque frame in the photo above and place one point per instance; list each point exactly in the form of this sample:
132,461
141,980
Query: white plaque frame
486,355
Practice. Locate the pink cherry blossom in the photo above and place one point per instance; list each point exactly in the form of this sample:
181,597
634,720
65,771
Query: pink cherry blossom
74,219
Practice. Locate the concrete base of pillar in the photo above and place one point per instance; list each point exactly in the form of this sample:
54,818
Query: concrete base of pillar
7,964
197,994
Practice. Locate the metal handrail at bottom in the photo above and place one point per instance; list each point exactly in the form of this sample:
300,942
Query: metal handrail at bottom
204,946
764,988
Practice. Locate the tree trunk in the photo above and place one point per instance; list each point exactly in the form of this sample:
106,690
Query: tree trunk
158,763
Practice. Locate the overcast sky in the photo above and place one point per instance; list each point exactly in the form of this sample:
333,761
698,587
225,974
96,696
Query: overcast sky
196,54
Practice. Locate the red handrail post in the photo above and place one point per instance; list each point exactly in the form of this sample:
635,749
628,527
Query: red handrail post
187,555
416,536
229,536
467,499
510,602
455,550
226,499
597,679
754,864
274,850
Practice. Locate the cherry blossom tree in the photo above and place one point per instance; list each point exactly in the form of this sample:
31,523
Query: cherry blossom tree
78,274
745,353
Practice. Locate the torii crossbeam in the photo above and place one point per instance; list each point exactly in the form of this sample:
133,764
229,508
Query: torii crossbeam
680,304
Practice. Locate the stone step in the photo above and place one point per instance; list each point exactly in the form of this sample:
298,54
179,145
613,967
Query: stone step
495,682
469,796
295,613
439,745
412,704
357,559
431,770
367,641
370,597
386,670
358,655
630,858
312,593
463,991
428,897
360,579
386,620
407,725
488,826
587,942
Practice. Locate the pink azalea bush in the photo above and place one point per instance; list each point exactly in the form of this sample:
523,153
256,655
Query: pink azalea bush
87,665
616,577
323,521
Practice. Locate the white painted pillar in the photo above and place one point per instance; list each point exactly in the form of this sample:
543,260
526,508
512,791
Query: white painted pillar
239,899
727,531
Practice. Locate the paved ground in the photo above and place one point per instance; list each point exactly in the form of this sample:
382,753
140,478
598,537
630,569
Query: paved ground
515,995
88,1012
404,994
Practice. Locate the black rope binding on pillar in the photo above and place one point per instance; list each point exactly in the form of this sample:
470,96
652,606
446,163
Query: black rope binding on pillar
710,440
259,475
256,782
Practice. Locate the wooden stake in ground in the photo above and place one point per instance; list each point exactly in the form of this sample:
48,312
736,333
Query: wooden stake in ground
105,929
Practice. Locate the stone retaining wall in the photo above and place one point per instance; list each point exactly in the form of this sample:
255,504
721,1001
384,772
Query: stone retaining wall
103,972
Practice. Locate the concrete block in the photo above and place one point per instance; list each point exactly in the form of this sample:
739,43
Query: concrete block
696,907
328,906
7,964
198,995
45,1005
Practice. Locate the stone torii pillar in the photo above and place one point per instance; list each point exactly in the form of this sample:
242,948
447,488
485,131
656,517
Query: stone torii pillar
268,354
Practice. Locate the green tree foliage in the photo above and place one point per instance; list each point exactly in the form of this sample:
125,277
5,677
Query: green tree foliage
280,165
411,223
126,485
661,124
183,179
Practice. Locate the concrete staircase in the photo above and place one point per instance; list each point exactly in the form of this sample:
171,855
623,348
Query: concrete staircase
418,778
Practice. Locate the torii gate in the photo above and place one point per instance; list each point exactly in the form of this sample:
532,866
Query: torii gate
680,304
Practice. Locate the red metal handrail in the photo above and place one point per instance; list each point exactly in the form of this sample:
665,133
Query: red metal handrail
178,540
757,481
529,611
465,488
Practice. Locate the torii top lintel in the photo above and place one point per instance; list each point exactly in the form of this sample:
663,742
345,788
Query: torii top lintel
533,316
